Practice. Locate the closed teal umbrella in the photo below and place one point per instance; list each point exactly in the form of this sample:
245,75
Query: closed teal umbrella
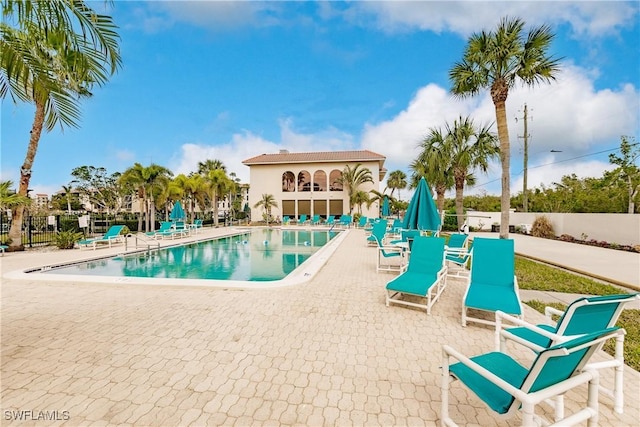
177,213
385,206
422,213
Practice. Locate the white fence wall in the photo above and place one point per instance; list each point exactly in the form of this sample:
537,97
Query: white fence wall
623,229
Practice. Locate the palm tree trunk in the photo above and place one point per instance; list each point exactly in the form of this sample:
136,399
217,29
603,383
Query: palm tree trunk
17,215
214,200
459,201
440,190
505,158
141,206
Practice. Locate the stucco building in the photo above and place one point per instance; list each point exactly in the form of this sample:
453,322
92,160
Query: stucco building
308,183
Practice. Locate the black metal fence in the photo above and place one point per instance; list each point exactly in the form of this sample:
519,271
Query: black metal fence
41,229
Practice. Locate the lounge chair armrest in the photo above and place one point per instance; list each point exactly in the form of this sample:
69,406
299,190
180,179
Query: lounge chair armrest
501,332
550,311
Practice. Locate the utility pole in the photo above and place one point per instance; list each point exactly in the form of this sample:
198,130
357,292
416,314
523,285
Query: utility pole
525,195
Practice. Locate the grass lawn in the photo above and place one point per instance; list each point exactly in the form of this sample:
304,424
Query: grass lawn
535,276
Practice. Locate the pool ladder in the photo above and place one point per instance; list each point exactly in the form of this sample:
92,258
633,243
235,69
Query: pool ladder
146,242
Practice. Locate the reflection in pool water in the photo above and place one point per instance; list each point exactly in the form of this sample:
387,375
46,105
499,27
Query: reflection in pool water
258,255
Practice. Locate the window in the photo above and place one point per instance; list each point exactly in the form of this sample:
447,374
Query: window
334,180
304,181
288,181
319,181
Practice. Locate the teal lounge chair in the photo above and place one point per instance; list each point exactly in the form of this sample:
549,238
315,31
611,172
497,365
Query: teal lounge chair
492,284
197,224
330,221
346,220
3,248
111,236
458,253
387,252
315,220
378,232
168,230
506,386
302,220
397,225
362,222
582,316
426,275
286,220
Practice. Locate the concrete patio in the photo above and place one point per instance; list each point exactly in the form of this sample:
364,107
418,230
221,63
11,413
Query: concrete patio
328,352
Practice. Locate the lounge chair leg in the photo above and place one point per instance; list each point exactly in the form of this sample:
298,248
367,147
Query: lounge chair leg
618,387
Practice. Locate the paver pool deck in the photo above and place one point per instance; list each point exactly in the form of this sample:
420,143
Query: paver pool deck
327,352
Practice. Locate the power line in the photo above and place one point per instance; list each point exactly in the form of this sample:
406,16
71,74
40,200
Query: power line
560,161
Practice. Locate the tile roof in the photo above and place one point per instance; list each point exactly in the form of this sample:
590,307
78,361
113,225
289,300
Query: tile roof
316,157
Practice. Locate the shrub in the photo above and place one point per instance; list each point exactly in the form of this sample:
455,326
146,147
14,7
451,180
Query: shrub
66,239
567,238
542,227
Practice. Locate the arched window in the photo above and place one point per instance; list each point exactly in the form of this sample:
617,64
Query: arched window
319,181
304,181
288,181
334,180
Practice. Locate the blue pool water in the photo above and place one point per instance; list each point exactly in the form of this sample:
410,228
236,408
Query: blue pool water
257,255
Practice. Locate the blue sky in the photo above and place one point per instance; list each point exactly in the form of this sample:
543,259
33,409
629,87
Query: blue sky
231,80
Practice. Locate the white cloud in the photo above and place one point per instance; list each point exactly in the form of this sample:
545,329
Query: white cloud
241,147
465,17
213,15
568,115
245,145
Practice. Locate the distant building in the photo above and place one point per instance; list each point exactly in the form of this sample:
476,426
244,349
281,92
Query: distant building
308,183
41,201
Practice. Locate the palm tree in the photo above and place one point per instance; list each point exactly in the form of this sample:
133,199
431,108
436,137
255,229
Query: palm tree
52,58
436,169
397,181
10,199
467,148
352,178
210,165
497,60
359,198
267,202
219,184
171,192
149,183
67,195
194,189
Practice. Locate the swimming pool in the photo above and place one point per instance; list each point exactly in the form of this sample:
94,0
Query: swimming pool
256,255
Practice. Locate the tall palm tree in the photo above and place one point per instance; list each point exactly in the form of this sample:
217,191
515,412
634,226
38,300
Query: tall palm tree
219,183
497,60
467,148
267,202
352,178
397,181
53,53
210,165
67,195
149,183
